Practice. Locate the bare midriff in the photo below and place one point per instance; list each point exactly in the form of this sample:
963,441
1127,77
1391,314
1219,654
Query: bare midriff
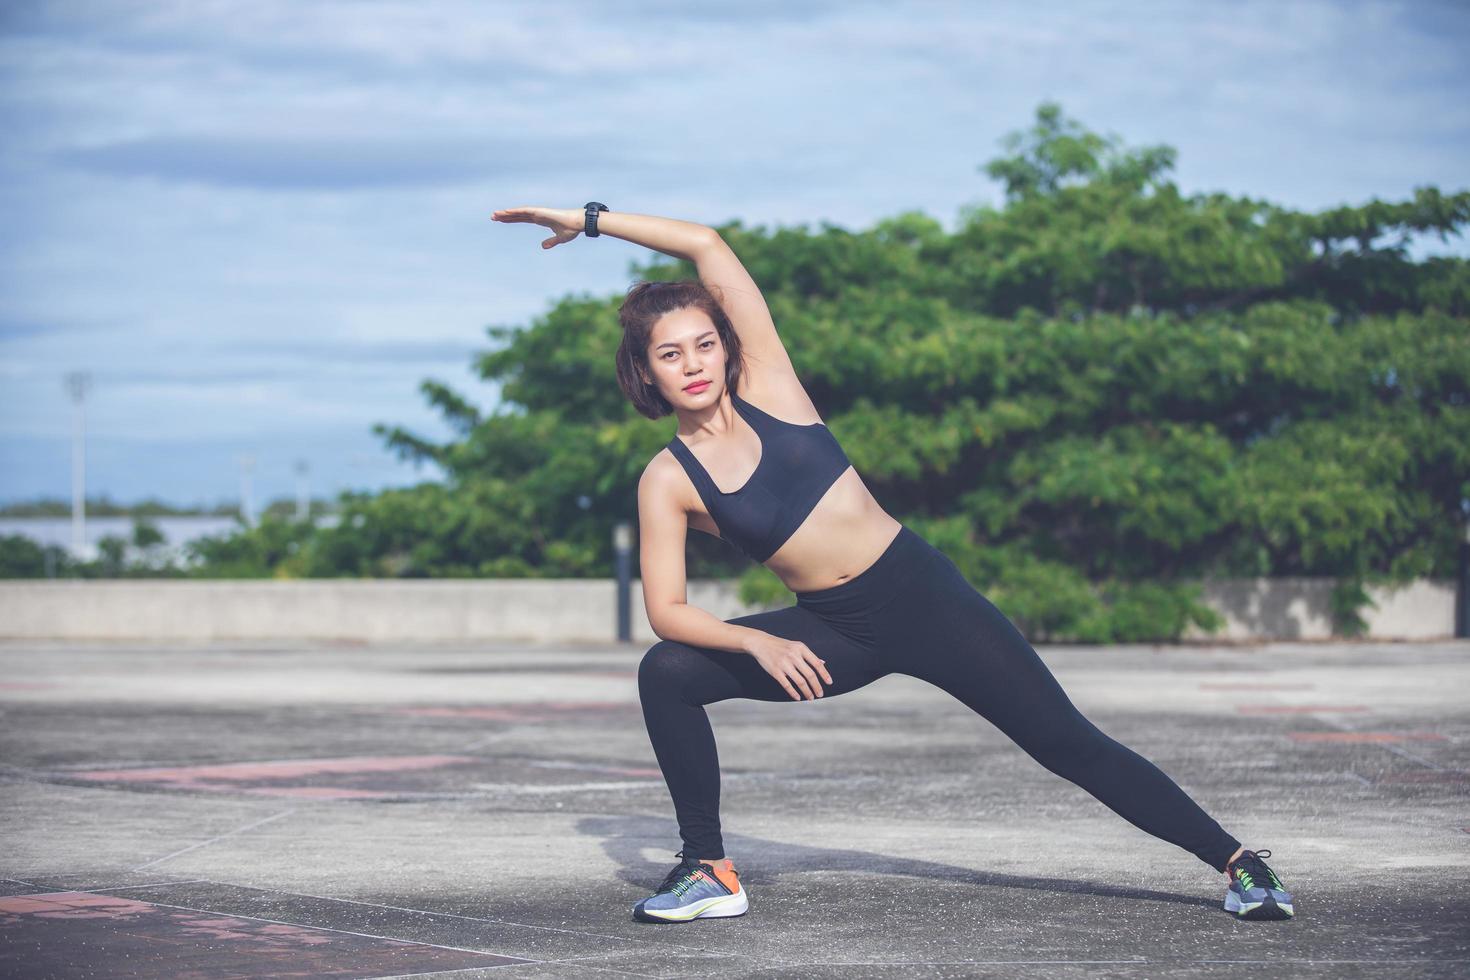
844,533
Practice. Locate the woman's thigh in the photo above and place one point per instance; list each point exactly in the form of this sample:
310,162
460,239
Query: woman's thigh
705,675
949,634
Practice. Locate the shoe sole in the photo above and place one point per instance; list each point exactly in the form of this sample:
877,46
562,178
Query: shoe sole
1263,911
723,906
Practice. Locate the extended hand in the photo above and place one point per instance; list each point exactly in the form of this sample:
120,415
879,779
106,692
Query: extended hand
566,222
793,659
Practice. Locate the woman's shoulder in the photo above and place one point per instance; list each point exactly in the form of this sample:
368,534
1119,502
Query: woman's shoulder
664,474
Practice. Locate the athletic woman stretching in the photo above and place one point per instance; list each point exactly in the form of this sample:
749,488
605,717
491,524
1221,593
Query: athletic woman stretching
752,463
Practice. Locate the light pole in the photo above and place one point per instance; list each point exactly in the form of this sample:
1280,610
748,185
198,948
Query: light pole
623,564
1462,586
77,383
303,498
247,507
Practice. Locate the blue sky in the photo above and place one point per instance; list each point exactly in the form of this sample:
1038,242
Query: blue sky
259,225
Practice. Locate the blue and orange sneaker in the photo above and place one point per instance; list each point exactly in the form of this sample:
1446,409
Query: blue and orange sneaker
1255,891
694,889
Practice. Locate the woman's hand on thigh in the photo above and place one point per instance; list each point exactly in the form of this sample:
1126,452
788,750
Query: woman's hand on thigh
791,662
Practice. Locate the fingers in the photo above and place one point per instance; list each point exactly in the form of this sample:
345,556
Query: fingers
822,666
514,214
789,690
803,686
801,682
802,677
809,681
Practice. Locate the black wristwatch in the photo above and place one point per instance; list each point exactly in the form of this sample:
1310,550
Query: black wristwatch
590,229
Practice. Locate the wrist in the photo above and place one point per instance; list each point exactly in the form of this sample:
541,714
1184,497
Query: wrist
590,212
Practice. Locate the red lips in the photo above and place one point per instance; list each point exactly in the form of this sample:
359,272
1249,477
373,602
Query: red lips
698,386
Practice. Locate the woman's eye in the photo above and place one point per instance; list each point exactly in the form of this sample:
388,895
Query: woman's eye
708,343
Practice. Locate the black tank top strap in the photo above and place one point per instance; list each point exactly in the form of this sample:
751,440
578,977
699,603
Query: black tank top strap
757,419
697,473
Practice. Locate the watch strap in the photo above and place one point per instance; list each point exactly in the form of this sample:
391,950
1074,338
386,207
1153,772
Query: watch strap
590,225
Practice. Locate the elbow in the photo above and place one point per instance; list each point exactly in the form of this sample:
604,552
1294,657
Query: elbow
657,623
709,238
658,620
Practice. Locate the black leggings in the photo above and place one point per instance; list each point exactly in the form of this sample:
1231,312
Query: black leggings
910,612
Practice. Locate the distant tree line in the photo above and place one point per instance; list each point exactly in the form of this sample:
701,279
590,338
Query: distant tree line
105,506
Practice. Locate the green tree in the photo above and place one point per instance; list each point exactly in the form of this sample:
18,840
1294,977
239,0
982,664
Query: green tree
20,557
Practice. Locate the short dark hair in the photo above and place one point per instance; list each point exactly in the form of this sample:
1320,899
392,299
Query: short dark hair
645,303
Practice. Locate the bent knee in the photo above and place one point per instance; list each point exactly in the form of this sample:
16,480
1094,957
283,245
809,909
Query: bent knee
666,664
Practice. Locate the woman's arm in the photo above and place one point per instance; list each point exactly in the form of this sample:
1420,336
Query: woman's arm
718,266
681,239
716,263
662,528
746,308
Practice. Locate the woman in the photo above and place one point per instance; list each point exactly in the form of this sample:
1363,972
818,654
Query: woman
752,463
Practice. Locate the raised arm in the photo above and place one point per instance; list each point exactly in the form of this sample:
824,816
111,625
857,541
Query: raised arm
743,303
716,263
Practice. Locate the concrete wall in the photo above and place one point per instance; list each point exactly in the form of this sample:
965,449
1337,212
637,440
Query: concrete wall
556,610
1299,608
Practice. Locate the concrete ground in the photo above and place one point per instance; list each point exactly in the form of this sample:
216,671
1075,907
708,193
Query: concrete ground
236,810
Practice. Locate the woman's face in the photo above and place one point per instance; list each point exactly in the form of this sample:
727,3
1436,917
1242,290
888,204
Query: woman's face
684,349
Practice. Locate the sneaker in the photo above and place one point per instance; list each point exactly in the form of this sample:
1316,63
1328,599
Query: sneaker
1255,891
692,890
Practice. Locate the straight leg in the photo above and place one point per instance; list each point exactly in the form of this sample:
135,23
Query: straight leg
947,633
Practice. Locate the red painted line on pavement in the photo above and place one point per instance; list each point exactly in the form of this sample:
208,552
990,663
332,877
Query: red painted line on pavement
84,934
1366,737
524,711
229,777
306,792
1236,686
282,769
72,905
1298,709
595,767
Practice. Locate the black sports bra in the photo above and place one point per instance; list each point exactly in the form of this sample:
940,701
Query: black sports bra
798,464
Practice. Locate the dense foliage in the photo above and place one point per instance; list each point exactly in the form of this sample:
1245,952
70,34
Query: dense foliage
1091,398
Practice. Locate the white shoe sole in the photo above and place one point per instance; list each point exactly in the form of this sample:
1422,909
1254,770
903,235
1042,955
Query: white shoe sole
1270,908
710,908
